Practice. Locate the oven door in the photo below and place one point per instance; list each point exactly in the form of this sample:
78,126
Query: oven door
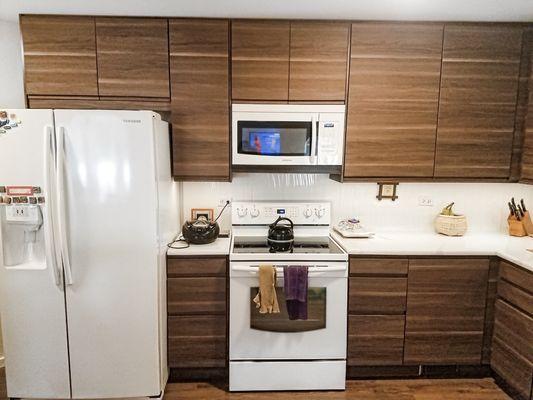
274,138
255,336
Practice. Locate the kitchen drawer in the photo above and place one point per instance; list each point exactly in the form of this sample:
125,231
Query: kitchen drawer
516,296
514,328
196,296
368,295
197,341
512,367
378,266
443,348
375,339
178,267
517,276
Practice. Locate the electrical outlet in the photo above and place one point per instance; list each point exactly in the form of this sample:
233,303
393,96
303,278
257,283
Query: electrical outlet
222,202
425,201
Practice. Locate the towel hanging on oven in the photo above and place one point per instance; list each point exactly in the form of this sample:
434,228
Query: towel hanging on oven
296,285
266,299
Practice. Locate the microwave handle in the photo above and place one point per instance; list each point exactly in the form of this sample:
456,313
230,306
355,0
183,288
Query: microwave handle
314,138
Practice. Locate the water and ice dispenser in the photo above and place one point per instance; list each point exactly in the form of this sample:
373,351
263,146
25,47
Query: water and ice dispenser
22,235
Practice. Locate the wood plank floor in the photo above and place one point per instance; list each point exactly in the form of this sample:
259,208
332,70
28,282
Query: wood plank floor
418,389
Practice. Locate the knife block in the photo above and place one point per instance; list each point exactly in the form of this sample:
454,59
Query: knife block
516,227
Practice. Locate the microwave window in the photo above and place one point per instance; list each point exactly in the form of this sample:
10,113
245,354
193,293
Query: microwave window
274,138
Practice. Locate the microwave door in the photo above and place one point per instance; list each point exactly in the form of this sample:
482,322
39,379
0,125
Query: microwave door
284,139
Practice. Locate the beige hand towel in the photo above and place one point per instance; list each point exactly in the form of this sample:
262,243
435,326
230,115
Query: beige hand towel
266,299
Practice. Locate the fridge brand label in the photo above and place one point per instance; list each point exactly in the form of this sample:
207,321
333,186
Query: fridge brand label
8,122
132,121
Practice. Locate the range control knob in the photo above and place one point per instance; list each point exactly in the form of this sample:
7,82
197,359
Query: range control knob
254,213
320,212
241,212
308,213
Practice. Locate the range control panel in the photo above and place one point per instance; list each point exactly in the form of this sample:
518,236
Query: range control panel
266,212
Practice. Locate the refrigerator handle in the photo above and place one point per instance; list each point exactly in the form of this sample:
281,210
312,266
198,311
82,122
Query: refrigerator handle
52,250
61,205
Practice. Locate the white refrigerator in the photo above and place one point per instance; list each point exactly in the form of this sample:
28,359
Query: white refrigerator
87,206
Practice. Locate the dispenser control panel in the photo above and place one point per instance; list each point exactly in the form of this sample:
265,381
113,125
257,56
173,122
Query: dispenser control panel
23,214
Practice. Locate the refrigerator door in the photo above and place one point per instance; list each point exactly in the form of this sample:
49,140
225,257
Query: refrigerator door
110,226
32,297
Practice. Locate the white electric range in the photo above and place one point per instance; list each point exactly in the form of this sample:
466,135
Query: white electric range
270,351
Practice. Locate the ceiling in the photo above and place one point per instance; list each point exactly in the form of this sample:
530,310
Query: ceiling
448,10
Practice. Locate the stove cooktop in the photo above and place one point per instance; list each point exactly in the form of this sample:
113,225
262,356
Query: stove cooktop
302,245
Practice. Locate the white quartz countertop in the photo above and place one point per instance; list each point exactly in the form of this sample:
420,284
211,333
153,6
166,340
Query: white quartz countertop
219,247
512,249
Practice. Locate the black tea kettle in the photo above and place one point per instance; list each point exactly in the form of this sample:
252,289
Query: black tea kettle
281,236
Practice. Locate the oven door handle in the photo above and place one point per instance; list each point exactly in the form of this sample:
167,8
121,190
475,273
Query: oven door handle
254,269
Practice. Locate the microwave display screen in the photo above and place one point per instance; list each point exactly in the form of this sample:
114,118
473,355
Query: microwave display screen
277,138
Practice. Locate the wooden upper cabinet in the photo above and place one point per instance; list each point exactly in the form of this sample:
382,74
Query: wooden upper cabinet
260,60
199,75
132,57
393,99
59,55
318,60
525,106
478,95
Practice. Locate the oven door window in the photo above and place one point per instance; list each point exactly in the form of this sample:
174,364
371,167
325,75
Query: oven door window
316,313
277,138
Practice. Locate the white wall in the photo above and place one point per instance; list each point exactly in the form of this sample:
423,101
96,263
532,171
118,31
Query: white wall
11,69
451,10
485,204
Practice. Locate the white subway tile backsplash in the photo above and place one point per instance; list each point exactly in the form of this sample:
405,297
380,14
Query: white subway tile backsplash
485,204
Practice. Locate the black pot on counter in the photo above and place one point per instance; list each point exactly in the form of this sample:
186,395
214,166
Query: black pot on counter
281,236
200,231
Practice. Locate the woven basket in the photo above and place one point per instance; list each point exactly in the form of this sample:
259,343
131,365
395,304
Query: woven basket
451,225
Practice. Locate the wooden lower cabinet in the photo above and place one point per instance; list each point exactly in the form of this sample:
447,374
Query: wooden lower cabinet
376,307
446,304
375,339
197,310
197,341
512,341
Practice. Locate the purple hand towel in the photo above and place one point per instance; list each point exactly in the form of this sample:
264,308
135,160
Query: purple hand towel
295,288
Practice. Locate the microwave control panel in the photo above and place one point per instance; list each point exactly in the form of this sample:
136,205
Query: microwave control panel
264,213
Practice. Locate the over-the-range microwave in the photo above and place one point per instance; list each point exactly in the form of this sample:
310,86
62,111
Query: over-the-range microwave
288,135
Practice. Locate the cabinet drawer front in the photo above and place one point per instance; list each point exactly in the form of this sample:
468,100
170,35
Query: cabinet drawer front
377,295
512,367
375,339
520,278
514,328
448,275
443,348
197,341
516,296
378,266
178,267
196,296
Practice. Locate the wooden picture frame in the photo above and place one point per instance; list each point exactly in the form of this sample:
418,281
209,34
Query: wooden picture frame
198,212
387,190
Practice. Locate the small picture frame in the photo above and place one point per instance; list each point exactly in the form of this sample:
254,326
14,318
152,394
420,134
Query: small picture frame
387,190
202,212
